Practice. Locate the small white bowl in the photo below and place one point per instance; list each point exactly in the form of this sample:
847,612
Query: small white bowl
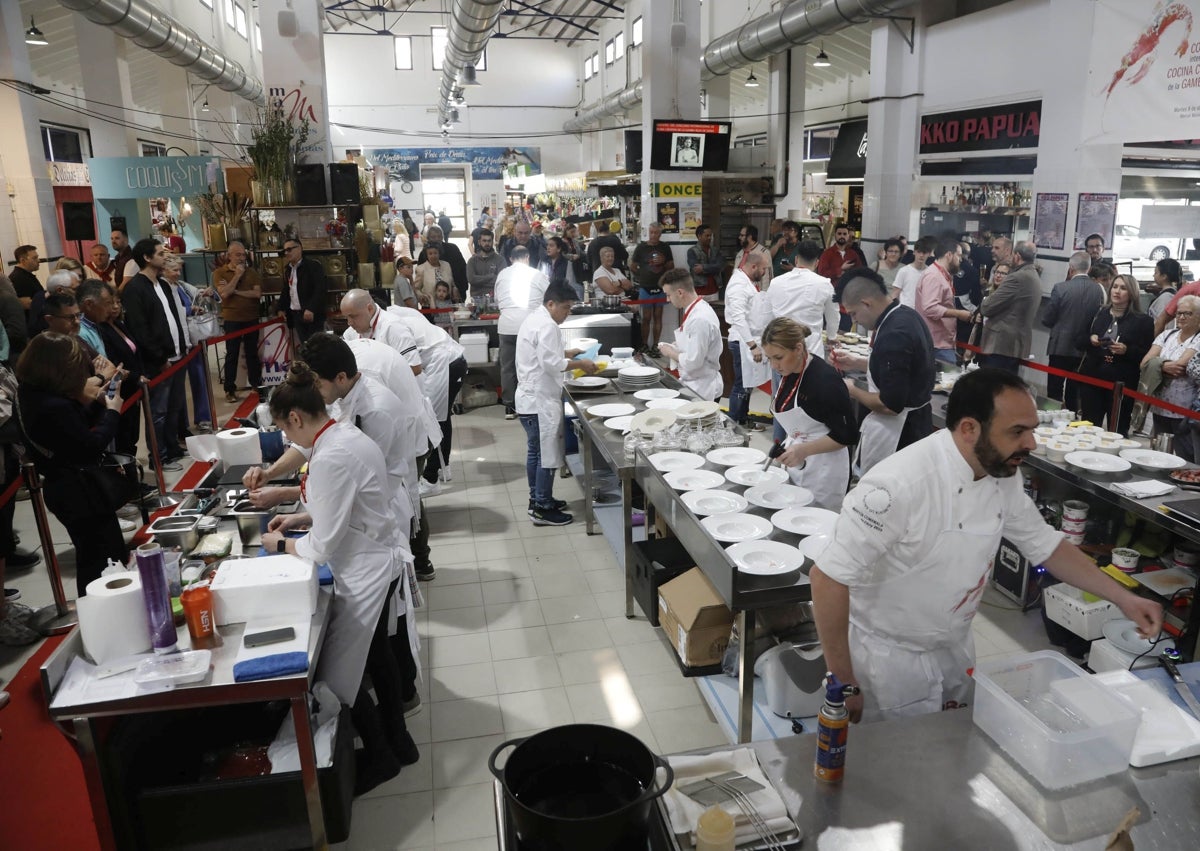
1108,446
1058,450
1111,435
1048,432
1125,443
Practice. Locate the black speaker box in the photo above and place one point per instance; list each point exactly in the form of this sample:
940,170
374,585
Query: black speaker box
310,185
633,151
79,220
343,183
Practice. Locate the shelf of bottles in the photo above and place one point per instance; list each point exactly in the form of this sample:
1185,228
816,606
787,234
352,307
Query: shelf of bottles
1009,199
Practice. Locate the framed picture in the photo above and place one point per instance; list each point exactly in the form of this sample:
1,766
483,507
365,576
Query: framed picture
1050,220
687,150
1097,213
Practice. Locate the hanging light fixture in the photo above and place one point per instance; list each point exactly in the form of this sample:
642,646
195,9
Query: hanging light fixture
752,81
204,106
822,60
33,35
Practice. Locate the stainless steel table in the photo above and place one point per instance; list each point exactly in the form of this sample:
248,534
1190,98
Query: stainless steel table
217,689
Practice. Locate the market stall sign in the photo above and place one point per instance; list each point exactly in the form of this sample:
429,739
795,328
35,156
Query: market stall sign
849,158
487,163
69,174
678,190
988,128
151,177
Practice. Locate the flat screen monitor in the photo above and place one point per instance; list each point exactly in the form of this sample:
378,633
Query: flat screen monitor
690,145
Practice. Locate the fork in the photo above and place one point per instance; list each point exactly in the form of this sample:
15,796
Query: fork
774,843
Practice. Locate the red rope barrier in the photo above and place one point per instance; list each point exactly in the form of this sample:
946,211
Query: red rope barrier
174,368
243,331
10,491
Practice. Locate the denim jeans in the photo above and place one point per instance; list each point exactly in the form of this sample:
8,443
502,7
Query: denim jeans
945,356
195,371
739,396
541,479
167,401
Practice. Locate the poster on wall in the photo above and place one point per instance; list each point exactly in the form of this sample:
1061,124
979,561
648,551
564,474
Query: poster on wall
1050,220
668,217
487,163
1097,213
690,215
1144,77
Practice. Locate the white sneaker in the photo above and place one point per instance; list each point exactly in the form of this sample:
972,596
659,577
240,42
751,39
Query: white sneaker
444,473
429,488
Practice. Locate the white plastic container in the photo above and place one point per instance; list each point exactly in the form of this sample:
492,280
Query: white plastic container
278,586
1053,719
173,669
1066,607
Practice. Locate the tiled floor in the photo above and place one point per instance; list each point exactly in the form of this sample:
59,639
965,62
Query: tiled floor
523,629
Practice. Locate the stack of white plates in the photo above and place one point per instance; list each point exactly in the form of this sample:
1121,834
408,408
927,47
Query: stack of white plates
633,378
704,414
666,404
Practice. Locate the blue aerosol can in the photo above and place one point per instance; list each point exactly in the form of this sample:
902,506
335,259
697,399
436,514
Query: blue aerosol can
833,727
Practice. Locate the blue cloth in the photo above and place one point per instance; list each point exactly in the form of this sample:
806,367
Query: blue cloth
275,665
324,575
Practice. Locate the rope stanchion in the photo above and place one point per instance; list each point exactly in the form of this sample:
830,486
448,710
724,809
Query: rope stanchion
241,332
208,381
152,437
59,616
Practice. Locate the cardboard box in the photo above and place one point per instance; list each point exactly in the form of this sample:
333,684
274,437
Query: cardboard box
695,618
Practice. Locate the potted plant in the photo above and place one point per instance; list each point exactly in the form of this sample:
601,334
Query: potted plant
278,141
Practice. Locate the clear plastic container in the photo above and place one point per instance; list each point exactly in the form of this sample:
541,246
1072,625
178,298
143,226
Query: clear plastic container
173,669
1053,718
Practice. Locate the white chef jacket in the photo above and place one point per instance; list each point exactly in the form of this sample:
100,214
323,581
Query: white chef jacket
700,345
519,291
807,298
540,375
891,523
740,292
391,330
438,350
385,365
907,278
354,531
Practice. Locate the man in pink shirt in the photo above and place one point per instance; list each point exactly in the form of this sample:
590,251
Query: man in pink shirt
935,298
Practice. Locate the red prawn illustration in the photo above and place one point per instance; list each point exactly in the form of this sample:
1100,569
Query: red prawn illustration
1148,41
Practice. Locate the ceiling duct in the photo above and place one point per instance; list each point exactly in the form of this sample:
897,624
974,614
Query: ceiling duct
471,24
160,33
793,25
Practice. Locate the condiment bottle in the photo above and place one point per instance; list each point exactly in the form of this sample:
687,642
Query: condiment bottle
715,830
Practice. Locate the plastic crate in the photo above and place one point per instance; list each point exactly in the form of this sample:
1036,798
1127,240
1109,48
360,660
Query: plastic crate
1066,607
1054,719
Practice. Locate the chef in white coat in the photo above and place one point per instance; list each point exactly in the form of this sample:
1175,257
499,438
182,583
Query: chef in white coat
896,589
351,508
900,369
750,367
814,409
367,320
698,342
542,362
519,291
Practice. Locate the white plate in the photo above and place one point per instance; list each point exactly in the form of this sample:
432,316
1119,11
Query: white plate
1097,462
588,381
703,503
805,521
1148,459
638,372
668,461
622,424
698,410
732,528
656,393
610,409
1124,636
753,474
734,456
694,480
665,404
583,342
765,558
652,422
814,545
778,496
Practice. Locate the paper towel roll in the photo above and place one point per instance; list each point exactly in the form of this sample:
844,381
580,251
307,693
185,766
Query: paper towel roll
112,618
238,446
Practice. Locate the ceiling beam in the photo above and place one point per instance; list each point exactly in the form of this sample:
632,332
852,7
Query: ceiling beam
592,20
558,11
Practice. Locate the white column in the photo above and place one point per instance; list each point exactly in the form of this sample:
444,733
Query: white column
106,86
294,70
790,111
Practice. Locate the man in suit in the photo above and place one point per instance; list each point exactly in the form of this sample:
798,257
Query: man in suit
1073,306
1010,310
158,323
302,302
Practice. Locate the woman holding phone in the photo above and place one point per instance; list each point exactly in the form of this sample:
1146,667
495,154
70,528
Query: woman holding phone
1120,337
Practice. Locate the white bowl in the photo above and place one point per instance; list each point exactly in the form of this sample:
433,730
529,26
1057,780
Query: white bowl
1111,435
1057,450
1107,446
1046,431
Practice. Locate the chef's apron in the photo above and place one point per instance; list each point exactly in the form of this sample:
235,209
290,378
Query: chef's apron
707,387
435,381
827,474
879,435
550,430
902,674
753,373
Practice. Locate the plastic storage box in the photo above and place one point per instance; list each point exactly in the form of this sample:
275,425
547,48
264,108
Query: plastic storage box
1053,719
1065,606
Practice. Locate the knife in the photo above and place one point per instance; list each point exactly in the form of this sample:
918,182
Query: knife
1169,660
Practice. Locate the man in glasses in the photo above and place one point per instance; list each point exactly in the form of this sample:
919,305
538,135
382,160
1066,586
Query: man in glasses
302,302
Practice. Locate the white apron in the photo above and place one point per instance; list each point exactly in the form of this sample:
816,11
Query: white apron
540,376
879,435
902,678
753,374
827,475
705,383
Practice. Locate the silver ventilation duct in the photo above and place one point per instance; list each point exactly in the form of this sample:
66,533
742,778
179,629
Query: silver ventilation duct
765,36
471,24
160,33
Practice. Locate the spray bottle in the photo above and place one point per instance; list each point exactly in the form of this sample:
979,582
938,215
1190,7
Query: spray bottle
833,726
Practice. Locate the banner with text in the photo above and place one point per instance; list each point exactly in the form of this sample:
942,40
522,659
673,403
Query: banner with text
1144,82
486,163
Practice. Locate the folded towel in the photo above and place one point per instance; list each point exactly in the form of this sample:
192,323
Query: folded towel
265,667
325,575
685,812
1143,489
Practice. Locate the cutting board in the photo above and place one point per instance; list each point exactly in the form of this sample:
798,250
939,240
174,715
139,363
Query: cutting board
1168,731
1167,582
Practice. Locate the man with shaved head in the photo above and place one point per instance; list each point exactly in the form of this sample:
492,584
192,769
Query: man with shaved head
365,320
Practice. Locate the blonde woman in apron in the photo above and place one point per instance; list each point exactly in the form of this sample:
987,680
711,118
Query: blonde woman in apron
814,409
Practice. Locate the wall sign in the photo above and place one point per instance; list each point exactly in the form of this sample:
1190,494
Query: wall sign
69,174
149,177
849,158
1050,220
1097,213
486,163
986,128
679,190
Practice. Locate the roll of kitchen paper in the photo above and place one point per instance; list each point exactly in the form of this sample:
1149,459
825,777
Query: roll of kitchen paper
237,446
112,618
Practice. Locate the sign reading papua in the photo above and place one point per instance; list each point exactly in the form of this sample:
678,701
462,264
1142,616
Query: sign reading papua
987,128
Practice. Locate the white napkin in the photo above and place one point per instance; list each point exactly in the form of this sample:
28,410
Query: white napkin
685,812
1143,489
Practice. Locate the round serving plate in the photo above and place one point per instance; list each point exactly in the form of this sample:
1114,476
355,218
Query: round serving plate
670,461
765,558
753,474
656,393
704,503
734,456
778,496
805,521
734,528
694,480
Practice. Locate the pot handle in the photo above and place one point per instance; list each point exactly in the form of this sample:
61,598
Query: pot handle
652,792
511,743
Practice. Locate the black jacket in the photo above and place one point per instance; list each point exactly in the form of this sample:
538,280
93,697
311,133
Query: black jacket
311,286
148,322
12,315
119,352
1136,331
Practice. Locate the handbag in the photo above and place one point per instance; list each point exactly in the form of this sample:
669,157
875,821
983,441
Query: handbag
202,321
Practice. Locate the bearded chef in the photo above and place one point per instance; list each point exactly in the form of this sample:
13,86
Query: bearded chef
896,589
351,508
814,409
698,343
541,366
750,367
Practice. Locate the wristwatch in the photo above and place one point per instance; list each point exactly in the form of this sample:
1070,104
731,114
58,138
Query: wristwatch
281,546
